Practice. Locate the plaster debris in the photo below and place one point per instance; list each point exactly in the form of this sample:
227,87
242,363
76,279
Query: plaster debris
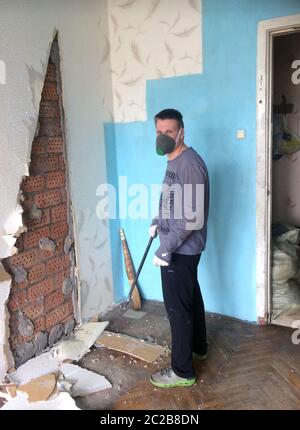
80,343
47,244
39,389
68,244
129,345
34,368
62,401
20,274
84,381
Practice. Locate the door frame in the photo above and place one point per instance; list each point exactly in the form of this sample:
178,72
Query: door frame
266,31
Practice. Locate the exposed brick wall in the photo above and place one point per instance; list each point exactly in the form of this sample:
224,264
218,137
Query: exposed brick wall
37,293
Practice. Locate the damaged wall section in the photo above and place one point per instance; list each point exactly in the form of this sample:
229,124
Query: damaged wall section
85,64
42,299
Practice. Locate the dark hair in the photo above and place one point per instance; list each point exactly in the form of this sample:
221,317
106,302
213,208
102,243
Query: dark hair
170,114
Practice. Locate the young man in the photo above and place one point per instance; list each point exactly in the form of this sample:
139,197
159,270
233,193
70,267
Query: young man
181,226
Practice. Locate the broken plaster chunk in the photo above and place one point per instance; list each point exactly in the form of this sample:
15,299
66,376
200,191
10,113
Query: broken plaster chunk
62,401
80,342
47,244
20,274
84,381
39,389
67,286
25,326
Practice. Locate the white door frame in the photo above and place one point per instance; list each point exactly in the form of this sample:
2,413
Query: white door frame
266,30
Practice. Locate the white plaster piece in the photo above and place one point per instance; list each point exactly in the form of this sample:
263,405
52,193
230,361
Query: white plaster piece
62,401
84,381
34,368
77,346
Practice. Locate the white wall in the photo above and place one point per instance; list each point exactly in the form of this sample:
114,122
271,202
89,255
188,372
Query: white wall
27,29
286,170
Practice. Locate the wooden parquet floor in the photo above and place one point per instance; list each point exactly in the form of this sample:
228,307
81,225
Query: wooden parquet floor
248,367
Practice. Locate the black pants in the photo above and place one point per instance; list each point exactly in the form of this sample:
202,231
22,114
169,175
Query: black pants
185,309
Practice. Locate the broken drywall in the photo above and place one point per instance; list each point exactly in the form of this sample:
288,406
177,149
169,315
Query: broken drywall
136,347
80,342
83,381
62,401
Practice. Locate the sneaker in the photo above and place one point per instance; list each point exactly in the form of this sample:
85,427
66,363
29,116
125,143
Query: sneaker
199,356
166,378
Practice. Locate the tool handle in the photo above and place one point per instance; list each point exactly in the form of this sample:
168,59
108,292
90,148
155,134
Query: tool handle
140,268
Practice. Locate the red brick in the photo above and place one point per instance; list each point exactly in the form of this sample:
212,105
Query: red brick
25,259
27,203
17,300
39,324
48,198
55,265
33,224
32,238
56,179
66,261
51,72
50,91
40,289
39,145
54,299
59,250
58,315
59,230
37,273
55,144
34,310
33,183
49,109
14,341
44,163
59,213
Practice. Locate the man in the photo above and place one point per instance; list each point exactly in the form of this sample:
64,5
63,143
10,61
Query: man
181,226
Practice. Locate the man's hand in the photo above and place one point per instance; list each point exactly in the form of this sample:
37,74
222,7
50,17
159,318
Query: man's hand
159,262
153,230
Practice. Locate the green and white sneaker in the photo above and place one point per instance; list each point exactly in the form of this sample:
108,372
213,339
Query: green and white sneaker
166,378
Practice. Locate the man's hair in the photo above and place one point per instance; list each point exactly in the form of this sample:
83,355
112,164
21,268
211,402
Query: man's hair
170,114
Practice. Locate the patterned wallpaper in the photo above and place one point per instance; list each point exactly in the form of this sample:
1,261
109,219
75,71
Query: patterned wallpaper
150,39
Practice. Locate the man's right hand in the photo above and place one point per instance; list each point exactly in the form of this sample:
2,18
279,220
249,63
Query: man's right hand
153,230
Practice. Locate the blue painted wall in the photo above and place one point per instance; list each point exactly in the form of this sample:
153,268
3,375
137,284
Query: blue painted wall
214,105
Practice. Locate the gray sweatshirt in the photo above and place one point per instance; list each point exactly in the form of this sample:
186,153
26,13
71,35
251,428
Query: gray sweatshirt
183,206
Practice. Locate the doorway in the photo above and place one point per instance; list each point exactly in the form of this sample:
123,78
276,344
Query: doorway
285,215
277,185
